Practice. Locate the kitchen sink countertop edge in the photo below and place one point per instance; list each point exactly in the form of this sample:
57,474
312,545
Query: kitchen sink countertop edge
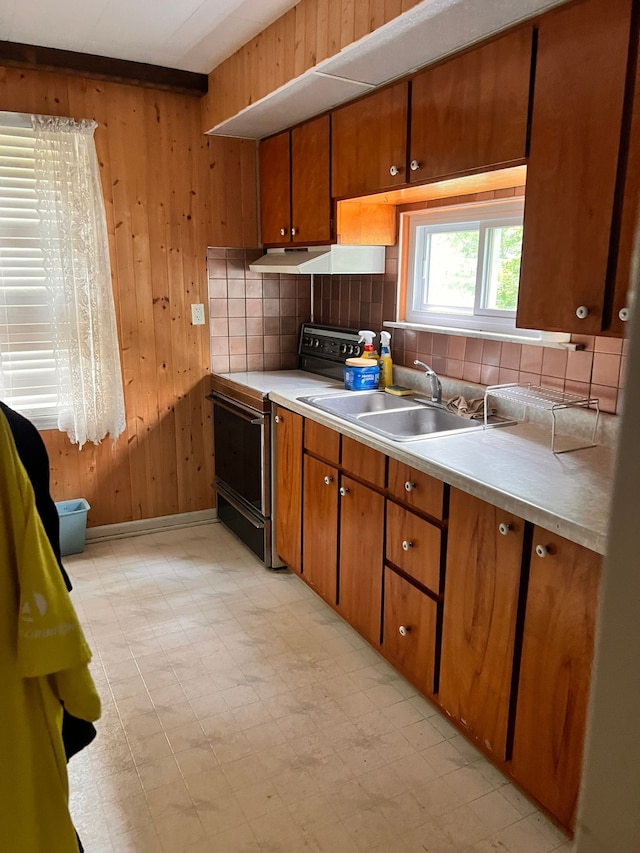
511,467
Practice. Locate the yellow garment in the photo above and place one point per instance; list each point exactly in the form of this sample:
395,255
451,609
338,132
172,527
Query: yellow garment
43,661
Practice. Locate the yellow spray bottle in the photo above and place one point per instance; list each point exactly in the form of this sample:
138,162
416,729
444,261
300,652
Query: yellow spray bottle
384,362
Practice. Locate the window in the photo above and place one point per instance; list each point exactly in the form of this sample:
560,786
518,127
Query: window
59,353
463,265
26,332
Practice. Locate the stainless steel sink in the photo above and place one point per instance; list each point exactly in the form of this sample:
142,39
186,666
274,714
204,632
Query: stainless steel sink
396,418
359,402
422,422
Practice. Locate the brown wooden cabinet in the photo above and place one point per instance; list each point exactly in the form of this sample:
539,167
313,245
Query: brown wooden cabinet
470,113
288,496
483,569
629,212
414,546
295,202
409,630
361,558
369,143
417,490
580,76
320,528
553,691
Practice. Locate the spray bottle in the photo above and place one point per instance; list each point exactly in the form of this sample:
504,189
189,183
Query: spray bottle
384,362
369,350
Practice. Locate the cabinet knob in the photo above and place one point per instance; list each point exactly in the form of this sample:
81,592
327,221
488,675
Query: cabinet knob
403,630
283,232
328,480
414,165
581,312
409,486
503,529
294,231
278,419
623,313
343,490
393,171
406,545
542,550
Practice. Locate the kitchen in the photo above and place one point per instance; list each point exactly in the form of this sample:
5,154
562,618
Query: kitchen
156,158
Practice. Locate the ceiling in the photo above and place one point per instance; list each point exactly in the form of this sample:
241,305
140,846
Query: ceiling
192,35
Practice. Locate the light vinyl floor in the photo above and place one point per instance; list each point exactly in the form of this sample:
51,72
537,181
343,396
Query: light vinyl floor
242,715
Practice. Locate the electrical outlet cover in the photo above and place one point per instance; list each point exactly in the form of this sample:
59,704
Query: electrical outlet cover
197,314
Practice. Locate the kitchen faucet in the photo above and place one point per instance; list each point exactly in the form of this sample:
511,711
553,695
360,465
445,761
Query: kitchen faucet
436,387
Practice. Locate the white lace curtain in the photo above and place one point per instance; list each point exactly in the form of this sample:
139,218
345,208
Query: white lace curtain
71,209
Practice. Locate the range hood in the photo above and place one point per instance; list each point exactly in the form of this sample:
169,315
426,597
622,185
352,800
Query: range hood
322,260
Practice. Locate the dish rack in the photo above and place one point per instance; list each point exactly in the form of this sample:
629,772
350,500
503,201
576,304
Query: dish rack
544,398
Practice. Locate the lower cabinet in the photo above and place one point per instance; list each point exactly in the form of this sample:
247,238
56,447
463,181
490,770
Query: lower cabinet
486,614
288,497
409,630
553,692
360,558
484,559
320,528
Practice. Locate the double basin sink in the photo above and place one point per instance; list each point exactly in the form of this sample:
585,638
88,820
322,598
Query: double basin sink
396,418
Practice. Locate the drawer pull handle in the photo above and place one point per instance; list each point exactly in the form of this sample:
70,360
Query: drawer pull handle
278,419
582,312
409,486
393,171
414,165
328,481
283,232
343,490
406,545
623,313
542,550
503,529
403,630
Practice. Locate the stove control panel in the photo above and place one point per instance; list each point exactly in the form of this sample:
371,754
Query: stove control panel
329,343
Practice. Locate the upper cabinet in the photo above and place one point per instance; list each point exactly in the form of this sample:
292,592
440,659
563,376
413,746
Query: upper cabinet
470,113
295,202
581,70
369,143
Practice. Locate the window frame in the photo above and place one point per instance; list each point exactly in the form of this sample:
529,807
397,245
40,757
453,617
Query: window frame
488,214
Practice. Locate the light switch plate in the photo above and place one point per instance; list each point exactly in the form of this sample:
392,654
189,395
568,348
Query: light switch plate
197,314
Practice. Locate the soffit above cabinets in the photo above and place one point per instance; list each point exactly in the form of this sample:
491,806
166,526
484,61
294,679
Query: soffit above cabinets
430,31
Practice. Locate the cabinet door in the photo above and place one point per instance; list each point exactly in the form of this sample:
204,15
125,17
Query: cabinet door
275,189
557,652
629,213
361,555
484,558
409,634
571,174
320,528
288,428
471,112
369,143
310,182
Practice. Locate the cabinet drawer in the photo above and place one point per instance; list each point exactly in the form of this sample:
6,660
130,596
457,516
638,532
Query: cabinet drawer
409,635
416,490
363,462
322,441
413,545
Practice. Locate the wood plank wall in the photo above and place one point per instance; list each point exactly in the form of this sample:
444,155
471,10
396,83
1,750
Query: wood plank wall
169,192
317,29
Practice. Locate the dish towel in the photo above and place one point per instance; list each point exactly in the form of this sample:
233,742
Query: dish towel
472,409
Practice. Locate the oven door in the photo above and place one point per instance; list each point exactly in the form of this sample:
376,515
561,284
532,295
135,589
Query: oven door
242,439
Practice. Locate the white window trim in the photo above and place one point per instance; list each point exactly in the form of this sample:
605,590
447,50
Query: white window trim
484,322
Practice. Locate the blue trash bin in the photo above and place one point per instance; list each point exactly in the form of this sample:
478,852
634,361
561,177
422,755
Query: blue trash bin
73,525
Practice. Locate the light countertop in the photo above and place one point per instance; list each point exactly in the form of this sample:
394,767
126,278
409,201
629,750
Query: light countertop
511,467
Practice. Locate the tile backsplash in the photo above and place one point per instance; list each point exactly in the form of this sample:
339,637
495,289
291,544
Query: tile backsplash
255,320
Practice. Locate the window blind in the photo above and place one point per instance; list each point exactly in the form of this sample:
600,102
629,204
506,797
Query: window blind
28,381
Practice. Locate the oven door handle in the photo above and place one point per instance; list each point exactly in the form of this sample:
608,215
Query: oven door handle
238,409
